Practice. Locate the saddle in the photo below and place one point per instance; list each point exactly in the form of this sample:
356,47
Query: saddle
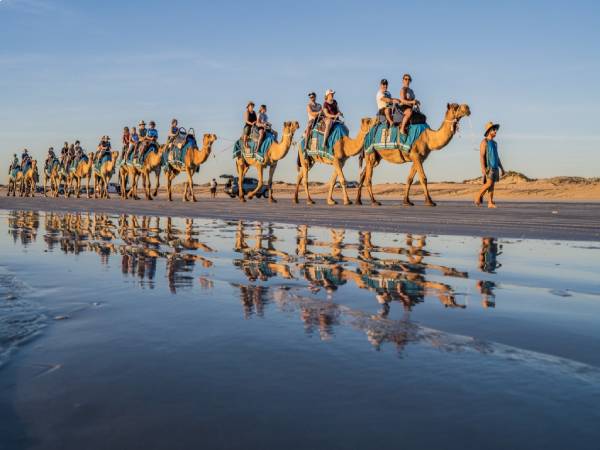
180,144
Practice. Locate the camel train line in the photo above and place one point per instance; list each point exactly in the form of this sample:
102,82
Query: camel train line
374,142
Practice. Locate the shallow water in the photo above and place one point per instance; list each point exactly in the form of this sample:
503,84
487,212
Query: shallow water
145,332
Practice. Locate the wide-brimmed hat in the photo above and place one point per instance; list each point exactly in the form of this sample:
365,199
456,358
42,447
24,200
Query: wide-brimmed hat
141,123
490,126
329,91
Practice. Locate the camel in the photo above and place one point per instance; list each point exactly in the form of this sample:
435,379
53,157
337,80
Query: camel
152,164
51,175
427,142
128,171
103,175
12,181
194,158
343,149
275,152
83,170
27,180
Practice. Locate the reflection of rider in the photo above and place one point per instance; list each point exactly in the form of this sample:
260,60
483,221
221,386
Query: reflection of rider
407,101
313,110
486,289
488,254
331,112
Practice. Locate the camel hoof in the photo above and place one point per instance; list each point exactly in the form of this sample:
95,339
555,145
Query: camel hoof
375,203
430,203
331,202
408,203
347,202
272,200
295,201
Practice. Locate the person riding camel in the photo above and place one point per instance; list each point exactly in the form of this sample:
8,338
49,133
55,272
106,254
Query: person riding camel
50,157
152,134
263,125
332,113
385,102
173,132
134,140
25,157
313,110
64,153
78,152
249,122
103,148
142,131
14,164
125,140
408,101
70,155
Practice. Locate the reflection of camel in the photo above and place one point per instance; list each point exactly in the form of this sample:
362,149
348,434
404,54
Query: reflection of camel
276,152
23,225
194,158
343,149
258,262
427,142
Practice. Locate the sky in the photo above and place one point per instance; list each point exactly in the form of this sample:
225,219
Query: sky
81,69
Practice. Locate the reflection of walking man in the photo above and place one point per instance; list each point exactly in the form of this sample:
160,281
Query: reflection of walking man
491,167
488,263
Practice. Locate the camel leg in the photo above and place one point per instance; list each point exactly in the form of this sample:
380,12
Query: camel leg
423,180
242,168
169,180
340,173
87,185
189,185
369,183
45,183
272,168
259,186
146,183
332,180
298,181
361,180
157,172
305,170
409,181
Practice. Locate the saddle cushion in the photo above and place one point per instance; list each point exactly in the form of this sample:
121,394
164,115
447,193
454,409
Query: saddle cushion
315,147
250,150
380,137
179,149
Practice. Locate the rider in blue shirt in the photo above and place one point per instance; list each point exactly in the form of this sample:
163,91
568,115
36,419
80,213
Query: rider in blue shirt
24,158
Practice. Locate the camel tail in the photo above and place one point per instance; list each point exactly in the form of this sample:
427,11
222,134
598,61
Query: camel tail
361,157
298,164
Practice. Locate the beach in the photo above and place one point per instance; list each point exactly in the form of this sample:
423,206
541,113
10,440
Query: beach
549,219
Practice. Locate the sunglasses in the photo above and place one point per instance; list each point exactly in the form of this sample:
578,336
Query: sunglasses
407,79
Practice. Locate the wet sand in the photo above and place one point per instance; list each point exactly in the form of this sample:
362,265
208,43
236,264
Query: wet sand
540,220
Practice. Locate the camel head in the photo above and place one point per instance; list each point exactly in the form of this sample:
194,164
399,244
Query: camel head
456,111
366,123
293,126
208,139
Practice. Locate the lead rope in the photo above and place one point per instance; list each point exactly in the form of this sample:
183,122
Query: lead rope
472,138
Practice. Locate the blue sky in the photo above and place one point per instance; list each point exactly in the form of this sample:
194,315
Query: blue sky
80,69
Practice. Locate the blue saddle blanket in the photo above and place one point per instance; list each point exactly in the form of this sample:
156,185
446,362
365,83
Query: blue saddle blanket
50,165
76,161
380,137
152,147
177,154
315,145
103,158
250,150
15,171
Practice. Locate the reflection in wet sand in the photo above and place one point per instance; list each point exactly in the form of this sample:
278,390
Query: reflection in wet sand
316,261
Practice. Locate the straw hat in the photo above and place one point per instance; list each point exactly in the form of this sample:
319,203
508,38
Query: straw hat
329,91
490,126
141,123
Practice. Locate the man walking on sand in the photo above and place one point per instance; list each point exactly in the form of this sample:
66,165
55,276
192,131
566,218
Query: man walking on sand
491,167
213,188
